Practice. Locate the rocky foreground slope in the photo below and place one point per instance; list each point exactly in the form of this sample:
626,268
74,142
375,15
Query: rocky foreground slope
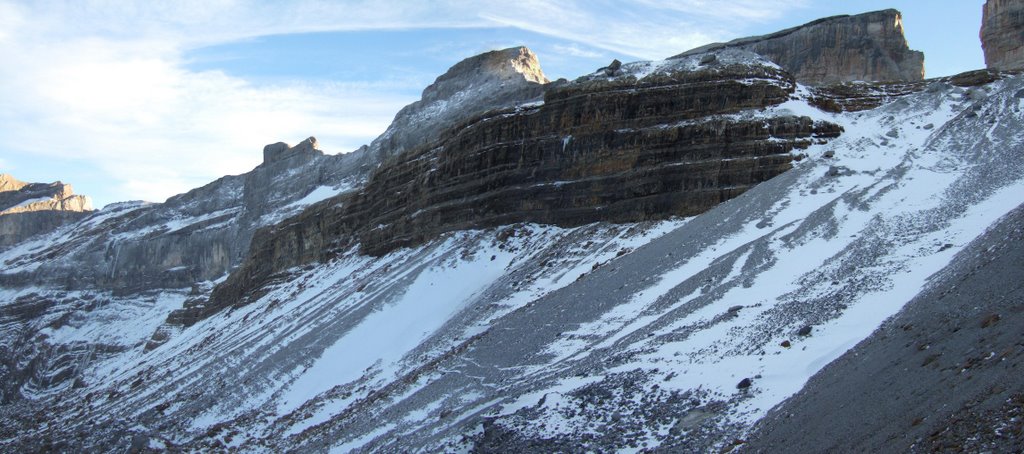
462,288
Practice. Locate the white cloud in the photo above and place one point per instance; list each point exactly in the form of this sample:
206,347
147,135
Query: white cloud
649,29
105,81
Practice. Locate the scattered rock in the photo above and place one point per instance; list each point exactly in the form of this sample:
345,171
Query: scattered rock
613,68
805,331
837,171
708,59
786,344
744,384
990,320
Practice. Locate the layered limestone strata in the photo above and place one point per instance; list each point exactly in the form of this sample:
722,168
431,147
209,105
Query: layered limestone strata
30,209
621,149
202,234
1002,34
866,47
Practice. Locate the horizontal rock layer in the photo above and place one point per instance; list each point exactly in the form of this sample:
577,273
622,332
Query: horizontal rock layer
1002,34
865,47
202,234
598,150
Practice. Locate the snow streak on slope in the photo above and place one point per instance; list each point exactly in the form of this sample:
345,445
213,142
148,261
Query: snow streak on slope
841,245
329,337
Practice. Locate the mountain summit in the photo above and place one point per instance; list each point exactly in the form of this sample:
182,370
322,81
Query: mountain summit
472,86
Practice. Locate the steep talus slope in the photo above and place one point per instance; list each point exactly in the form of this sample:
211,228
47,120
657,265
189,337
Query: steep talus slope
658,139
943,375
589,338
865,47
30,209
1002,34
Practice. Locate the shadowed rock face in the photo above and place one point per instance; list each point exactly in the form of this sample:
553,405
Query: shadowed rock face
1002,34
865,47
29,209
600,149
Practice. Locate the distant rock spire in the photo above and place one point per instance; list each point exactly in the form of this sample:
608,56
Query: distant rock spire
29,209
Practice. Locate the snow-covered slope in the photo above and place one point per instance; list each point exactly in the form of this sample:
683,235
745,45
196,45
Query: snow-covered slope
676,335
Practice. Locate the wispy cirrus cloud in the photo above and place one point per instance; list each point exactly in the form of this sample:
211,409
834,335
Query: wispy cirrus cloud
107,82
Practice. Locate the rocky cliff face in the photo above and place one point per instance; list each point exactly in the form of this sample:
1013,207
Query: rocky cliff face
201,235
1002,34
866,47
30,209
652,141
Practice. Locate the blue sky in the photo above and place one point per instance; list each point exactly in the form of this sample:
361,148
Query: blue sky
146,99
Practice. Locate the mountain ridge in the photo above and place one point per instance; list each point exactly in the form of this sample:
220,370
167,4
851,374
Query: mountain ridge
520,276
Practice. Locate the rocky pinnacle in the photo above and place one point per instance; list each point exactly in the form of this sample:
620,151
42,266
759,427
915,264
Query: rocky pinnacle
1002,34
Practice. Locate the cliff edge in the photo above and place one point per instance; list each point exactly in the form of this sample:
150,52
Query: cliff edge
865,47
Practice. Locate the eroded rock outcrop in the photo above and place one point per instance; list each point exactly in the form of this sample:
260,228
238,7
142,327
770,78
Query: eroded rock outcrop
1002,34
487,81
653,142
865,47
29,209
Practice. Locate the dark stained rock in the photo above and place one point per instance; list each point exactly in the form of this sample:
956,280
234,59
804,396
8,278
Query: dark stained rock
805,331
598,149
858,96
744,384
1002,34
612,68
865,47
